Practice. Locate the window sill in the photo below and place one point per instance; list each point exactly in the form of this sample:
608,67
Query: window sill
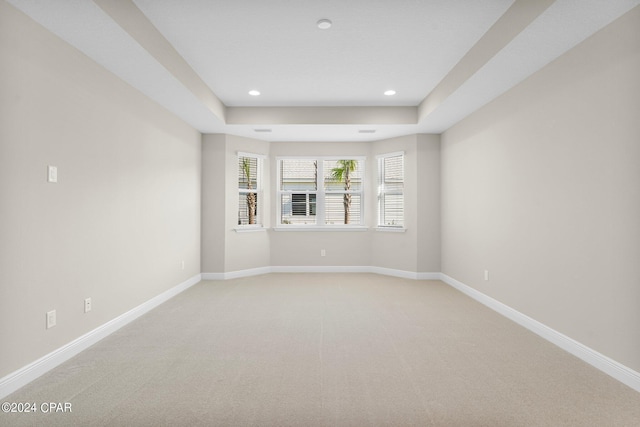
391,229
250,229
320,228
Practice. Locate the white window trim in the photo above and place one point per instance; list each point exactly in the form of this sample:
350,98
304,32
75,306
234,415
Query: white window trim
383,227
306,227
391,228
320,196
250,228
259,190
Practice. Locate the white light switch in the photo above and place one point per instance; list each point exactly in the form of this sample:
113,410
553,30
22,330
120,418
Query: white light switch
52,175
51,319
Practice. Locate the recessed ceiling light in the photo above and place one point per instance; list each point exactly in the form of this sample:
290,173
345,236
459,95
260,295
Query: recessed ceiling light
390,92
324,24
254,93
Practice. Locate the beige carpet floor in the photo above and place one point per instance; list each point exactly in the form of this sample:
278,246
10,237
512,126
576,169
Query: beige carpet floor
326,350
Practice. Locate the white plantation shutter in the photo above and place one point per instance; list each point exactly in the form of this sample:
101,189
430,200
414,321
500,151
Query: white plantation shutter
249,190
338,200
391,190
299,175
297,191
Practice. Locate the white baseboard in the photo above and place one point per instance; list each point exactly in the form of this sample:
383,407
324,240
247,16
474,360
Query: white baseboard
394,273
405,274
25,375
609,366
321,269
213,276
236,274
429,276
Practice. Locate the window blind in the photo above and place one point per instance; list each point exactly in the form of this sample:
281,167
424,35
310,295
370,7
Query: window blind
391,190
249,190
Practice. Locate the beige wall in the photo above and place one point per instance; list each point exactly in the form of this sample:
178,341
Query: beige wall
302,248
213,203
540,187
126,209
392,249
245,250
224,249
428,206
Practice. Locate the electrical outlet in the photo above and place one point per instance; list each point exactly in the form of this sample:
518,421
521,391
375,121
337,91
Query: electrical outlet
323,252
87,305
51,319
486,275
182,264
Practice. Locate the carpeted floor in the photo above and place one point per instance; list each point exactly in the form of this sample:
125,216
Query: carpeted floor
326,350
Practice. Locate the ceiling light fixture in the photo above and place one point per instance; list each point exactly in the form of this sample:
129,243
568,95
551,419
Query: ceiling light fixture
254,93
390,92
324,24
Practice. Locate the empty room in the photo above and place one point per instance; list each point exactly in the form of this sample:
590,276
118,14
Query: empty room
320,213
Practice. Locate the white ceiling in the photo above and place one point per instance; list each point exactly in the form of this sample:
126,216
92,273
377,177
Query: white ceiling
274,46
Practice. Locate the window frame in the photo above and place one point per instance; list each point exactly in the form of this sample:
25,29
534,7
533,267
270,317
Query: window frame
259,191
380,177
320,192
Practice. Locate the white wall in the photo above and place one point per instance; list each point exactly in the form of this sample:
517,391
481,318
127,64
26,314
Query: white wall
126,209
540,187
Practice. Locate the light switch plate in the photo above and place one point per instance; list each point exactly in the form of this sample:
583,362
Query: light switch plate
51,319
52,174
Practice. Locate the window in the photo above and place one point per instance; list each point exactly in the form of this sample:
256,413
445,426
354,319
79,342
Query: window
249,190
298,191
320,192
343,191
391,190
